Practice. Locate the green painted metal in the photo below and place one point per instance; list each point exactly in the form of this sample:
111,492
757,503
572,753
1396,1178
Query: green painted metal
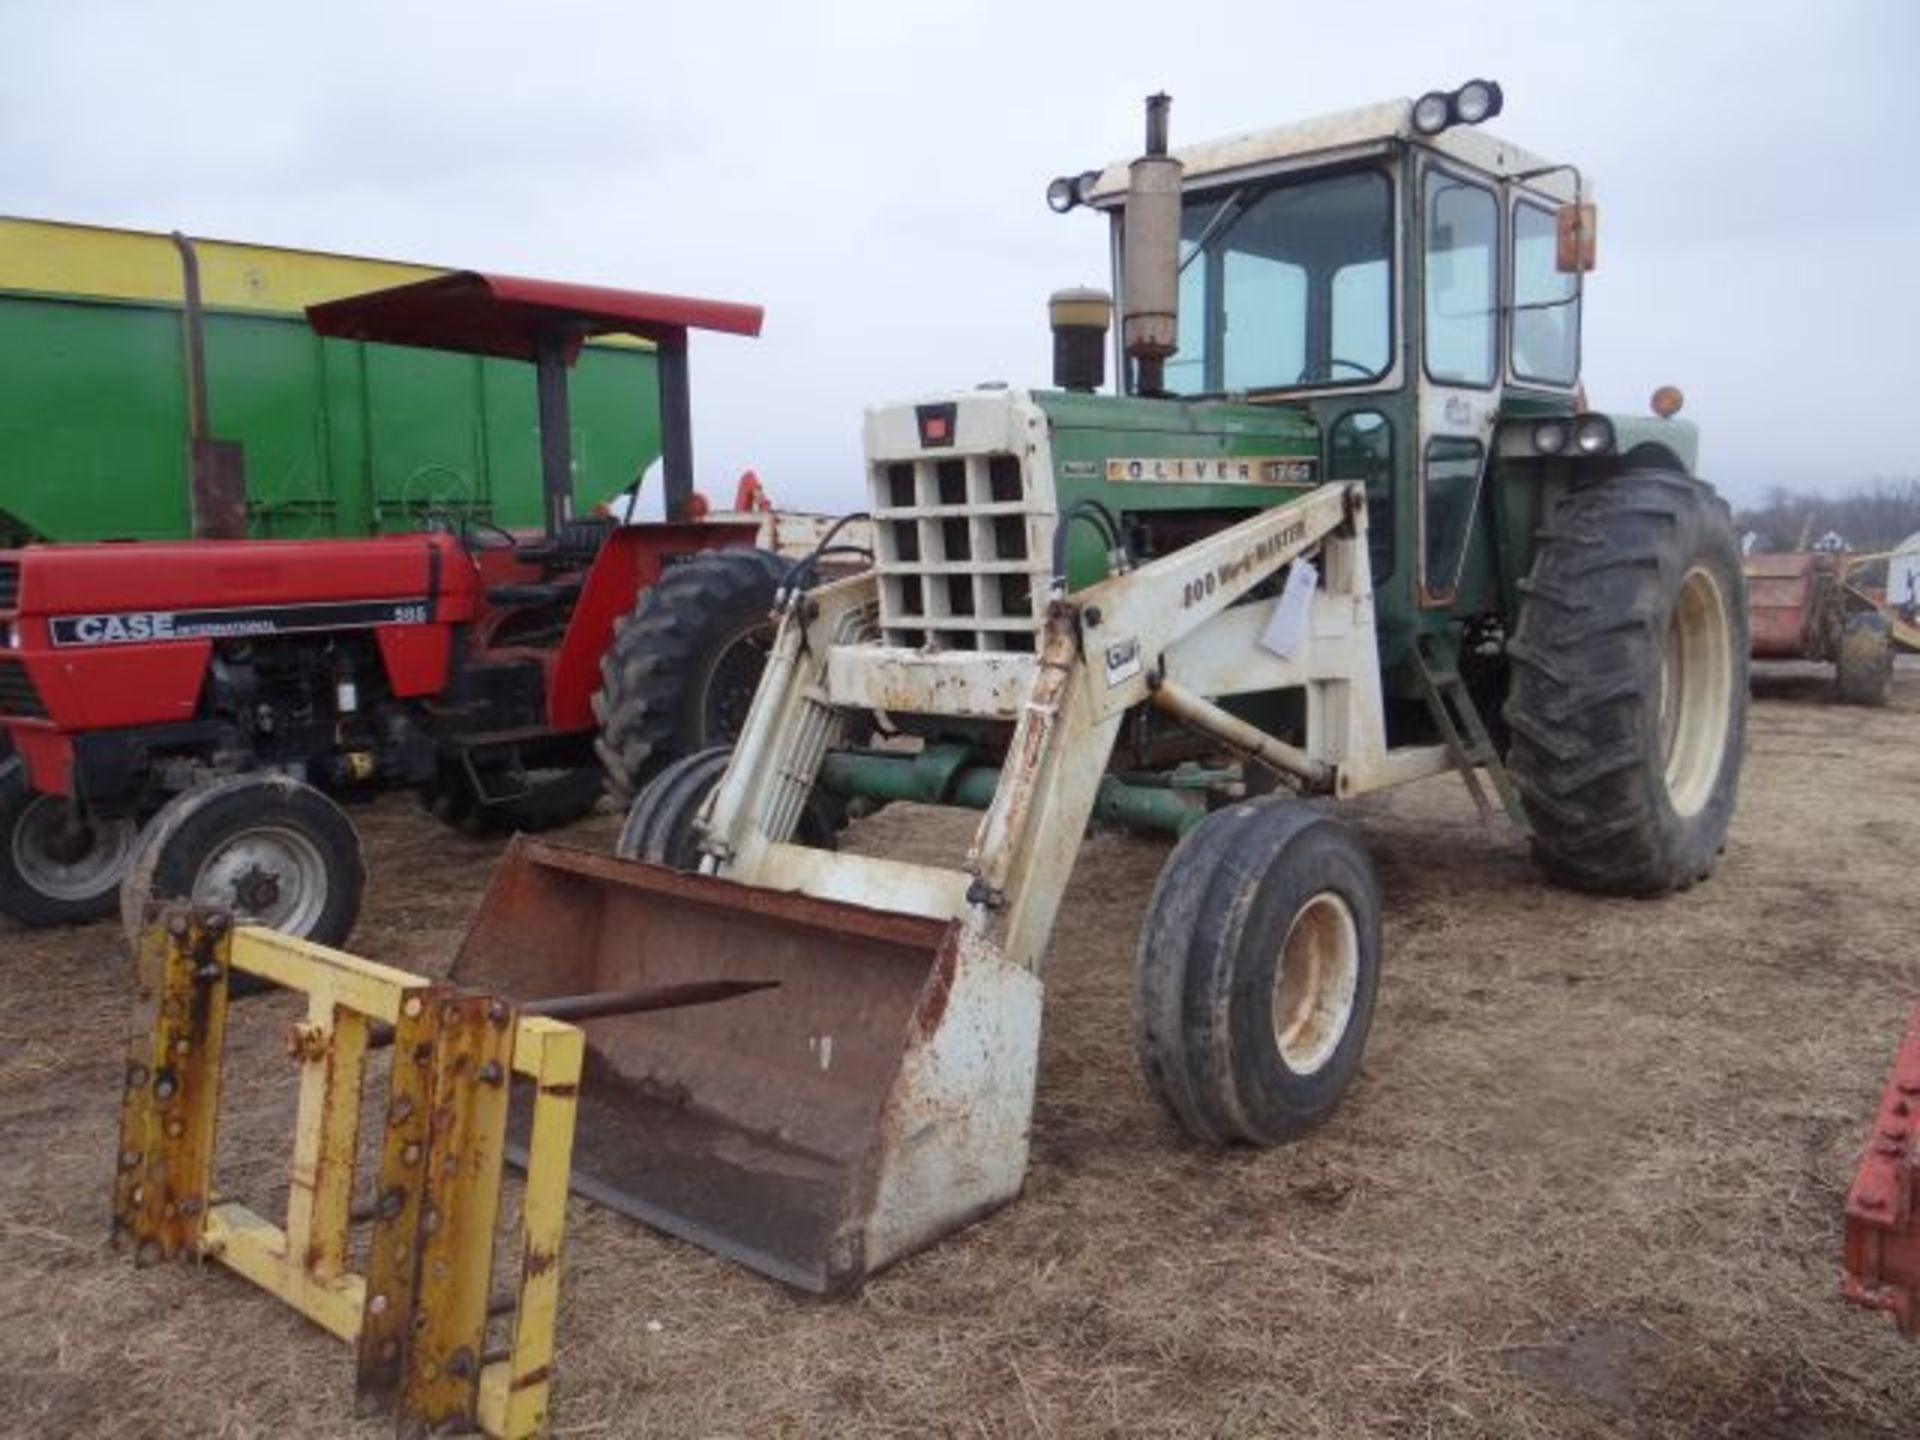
340,438
939,775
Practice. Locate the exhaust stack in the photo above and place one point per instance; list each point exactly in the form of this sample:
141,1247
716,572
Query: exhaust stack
1151,263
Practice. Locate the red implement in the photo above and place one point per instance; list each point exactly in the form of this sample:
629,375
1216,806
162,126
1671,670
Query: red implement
1883,1207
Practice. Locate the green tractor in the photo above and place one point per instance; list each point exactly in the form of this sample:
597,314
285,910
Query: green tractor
1347,524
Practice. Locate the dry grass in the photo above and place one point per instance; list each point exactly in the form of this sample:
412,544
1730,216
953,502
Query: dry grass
1590,1182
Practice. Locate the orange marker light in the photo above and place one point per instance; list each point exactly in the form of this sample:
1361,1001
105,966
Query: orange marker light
1667,401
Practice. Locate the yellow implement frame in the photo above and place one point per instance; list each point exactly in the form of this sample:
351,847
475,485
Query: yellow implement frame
418,1316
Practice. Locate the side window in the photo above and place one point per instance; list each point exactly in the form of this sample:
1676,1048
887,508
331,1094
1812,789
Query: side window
1462,244
1449,488
1546,303
1360,447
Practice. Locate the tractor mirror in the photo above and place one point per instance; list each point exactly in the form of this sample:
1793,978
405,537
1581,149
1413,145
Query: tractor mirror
1577,232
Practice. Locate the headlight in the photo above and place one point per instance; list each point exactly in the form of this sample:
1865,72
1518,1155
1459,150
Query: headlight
1433,112
1060,196
1477,100
1550,437
1593,435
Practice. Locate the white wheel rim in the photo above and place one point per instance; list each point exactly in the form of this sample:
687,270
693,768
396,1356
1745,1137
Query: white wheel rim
1696,691
1315,982
271,876
38,853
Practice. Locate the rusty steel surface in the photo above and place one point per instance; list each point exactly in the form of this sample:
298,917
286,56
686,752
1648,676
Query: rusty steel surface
472,1054
392,1261
1788,600
171,1101
419,1317
751,1125
1883,1205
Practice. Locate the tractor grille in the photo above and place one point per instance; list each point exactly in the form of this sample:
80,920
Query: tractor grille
961,552
17,695
9,584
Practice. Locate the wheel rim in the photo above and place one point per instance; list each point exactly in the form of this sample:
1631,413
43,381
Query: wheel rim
65,862
1696,691
1315,983
732,680
270,876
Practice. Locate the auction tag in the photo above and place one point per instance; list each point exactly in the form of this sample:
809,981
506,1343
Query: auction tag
1288,626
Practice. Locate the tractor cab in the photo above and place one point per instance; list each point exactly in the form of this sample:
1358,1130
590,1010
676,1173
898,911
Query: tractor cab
1409,283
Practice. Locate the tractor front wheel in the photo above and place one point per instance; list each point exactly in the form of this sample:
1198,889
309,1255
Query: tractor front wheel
660,826
682,668
58,866
1256,972
1628,703
273,851
1865,671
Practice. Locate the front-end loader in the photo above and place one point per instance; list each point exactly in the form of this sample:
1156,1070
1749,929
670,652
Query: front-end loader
1347,523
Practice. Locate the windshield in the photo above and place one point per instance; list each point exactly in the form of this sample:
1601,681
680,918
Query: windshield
1285,284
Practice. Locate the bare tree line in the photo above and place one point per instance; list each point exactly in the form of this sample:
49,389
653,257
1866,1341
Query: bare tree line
1876,514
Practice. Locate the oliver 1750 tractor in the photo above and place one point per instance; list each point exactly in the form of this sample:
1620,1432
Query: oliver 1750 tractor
1348,524
185,714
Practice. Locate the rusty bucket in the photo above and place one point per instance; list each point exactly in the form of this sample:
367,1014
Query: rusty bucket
809,1087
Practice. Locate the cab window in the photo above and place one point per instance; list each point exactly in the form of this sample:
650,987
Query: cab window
1360,447
1462,242
1546,303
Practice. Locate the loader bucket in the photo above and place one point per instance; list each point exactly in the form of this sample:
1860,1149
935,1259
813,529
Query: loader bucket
848,1084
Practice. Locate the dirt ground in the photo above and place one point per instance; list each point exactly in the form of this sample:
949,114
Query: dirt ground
1589,1184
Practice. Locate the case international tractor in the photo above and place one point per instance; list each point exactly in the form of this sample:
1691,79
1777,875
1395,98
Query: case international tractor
1346,524
181,718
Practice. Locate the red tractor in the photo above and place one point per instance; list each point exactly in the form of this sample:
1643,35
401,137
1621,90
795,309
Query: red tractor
187,715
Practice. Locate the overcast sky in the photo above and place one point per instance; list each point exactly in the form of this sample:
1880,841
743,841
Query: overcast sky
872,173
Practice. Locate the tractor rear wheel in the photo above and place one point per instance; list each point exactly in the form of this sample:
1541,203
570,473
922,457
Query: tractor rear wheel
660,826
1256,972
1628,702
58,866
682,668
273,851
1864,675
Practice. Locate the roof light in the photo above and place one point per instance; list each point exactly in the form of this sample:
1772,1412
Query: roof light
1477,100
1060,196
1473,102
1433,112
1667,401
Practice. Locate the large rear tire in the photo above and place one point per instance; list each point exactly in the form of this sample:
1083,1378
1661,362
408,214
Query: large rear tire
1256,972
1864,674
273,851
57,866
682,668
1628,703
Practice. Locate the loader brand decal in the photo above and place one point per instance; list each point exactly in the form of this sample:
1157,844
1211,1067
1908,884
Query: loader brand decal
1228,572
1228,470
1123,661
146,626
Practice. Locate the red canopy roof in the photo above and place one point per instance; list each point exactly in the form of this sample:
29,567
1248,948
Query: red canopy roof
506,315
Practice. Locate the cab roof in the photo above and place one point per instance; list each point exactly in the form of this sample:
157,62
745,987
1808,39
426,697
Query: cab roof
1363,131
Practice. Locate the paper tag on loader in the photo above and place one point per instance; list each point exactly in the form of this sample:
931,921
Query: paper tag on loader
1288,627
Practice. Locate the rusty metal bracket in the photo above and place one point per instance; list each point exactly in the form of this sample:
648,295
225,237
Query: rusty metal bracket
419,1316
1883,1205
